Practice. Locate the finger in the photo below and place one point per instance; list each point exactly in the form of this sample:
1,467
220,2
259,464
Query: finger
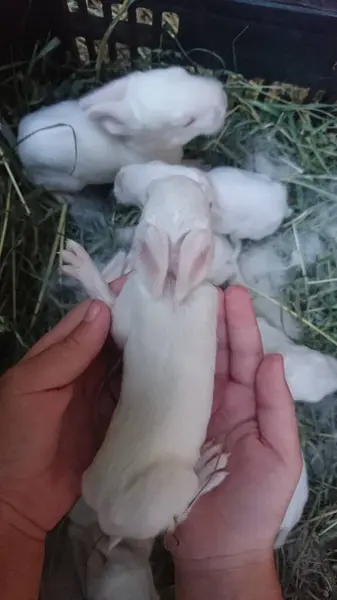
221,368
61,330
243,336
275,407
64,361
221,364
234,413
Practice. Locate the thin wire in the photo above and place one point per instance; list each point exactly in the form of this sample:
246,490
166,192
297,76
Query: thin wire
47,128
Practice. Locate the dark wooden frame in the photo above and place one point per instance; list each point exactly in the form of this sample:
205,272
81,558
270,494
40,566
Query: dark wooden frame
24,22
280,40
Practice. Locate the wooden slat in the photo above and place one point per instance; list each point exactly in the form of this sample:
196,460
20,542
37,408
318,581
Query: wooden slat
280,40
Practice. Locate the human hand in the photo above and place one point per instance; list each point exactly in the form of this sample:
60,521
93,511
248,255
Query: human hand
53,415
254,416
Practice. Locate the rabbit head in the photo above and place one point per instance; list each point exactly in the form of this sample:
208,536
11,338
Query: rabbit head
170,103
132,181
173,244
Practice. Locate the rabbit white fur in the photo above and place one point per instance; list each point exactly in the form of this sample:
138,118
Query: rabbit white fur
170,103
149,469
249,205
295,508
132,182
137,118
223,264
310,375
121,572
131,187
246,205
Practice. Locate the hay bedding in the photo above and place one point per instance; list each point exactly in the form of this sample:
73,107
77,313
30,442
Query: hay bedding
302,139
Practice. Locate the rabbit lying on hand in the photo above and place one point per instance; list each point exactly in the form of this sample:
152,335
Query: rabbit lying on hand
151,468
134,119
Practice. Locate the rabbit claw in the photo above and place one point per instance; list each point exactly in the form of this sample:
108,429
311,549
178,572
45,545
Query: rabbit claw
76,262
210,470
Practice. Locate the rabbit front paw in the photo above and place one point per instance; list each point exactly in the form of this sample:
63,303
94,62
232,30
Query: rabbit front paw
76,262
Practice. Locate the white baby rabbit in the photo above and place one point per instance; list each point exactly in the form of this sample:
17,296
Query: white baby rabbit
223,264
295,508
131,187
310,375
132,181
169,103
121,572
134,119
248,205
149,470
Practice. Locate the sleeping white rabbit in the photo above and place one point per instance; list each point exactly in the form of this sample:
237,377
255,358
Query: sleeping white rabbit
134,119
310,375
248,205
150,468
132,181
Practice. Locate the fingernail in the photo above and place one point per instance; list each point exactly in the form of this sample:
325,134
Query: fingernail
93,311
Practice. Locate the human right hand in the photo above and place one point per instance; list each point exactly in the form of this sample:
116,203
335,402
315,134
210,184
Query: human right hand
255,418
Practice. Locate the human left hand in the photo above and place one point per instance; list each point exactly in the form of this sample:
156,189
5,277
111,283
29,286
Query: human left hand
54,411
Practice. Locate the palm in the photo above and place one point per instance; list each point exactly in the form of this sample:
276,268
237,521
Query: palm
83,428
64,422
55,473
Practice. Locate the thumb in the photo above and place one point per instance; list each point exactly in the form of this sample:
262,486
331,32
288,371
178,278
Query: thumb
275,408
64,361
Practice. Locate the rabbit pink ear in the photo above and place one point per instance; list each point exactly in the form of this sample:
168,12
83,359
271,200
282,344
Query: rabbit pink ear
194,262
152,258
112,116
